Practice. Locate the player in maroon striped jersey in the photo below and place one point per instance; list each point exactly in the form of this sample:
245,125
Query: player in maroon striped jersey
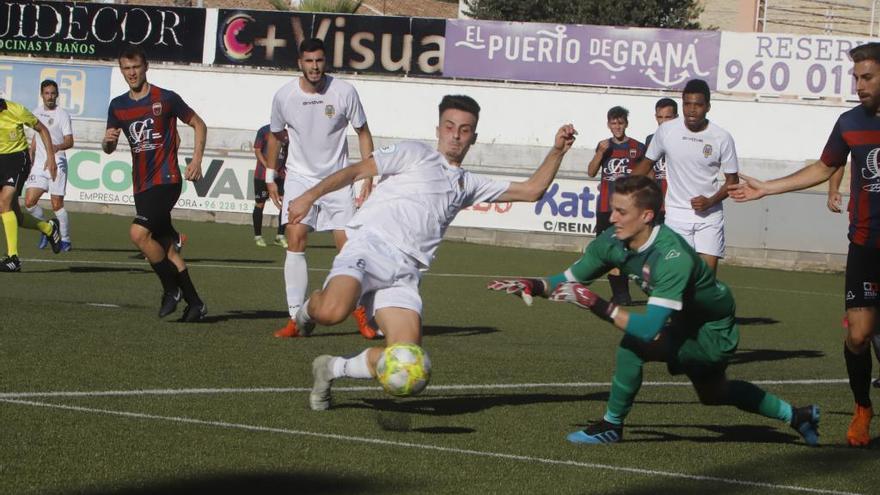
856,134
147,115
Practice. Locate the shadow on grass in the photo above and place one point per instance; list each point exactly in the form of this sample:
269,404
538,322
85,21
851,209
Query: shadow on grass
714,433
262,483
466,404
98,269
259,314
756,355
797,470
755,320
457,331
229,260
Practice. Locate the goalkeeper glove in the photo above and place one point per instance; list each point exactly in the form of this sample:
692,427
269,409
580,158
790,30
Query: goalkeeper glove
582,296
526,288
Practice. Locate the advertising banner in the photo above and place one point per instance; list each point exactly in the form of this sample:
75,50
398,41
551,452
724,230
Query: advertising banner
226,185
787,64
355,43
576,54
87,30
82,90
568,207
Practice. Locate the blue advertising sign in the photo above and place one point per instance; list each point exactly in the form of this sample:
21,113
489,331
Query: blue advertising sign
83,91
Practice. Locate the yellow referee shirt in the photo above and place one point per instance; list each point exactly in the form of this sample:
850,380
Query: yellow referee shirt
12,122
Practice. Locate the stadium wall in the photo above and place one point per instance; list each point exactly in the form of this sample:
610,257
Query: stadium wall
774,137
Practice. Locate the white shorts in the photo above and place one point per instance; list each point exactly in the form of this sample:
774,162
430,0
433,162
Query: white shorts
388,277
705,237
39,178
330,212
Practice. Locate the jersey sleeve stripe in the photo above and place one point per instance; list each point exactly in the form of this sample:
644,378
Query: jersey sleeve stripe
666,303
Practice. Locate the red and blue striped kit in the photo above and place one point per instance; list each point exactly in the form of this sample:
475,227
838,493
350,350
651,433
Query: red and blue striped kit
150,124
617,162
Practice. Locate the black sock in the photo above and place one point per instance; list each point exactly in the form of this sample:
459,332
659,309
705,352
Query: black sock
258,221
619,286
167,274
189,290
858,367
281,227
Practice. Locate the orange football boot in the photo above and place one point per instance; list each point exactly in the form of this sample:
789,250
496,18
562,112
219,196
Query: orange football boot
858,434
360,315
287,331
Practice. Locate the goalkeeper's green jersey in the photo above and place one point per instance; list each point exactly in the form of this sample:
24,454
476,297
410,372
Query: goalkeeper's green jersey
666,268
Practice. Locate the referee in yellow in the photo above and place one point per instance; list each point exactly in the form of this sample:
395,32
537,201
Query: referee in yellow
15,164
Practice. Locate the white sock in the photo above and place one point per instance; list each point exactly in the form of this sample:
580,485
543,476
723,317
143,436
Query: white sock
64,223
354,367
296,280
36,212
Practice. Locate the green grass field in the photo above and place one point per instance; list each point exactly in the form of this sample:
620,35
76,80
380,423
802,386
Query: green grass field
98,396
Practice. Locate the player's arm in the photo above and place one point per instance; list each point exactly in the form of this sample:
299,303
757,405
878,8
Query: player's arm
644,326
193,170
533,188
702,203
589,267
596,162
835,200
300,206
749,188
32,148
50,152
273,147
645,166
365,144
66,144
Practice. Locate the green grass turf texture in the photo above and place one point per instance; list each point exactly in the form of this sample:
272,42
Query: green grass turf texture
52,339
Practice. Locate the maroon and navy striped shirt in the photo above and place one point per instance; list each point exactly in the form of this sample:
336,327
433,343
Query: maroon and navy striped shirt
857,132
617,163
260,143
150,124
659,173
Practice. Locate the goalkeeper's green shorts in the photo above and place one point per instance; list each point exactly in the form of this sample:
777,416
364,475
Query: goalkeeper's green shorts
704,352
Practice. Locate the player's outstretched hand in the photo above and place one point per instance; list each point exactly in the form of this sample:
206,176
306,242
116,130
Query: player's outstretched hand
565,137
575,293
748,189
526,288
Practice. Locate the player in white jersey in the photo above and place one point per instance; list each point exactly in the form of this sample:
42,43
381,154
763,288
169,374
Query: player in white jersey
393,237
57,120
315,111
695,150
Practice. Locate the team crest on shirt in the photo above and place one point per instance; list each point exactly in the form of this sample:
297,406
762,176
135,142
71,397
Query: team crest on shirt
51,120
157,108
707,150
329,111
633,154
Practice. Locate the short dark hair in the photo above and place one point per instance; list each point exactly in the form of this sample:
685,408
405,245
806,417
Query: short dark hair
46,83
645,191
697,86
618,113
311,45
132,52
460,102
667,102
868,51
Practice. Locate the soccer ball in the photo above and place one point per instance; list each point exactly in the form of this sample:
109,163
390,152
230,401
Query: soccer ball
403,369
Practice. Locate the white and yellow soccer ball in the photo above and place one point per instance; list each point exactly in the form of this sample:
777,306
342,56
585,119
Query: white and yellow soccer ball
404,369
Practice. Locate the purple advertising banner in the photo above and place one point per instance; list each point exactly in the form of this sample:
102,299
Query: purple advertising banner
577,54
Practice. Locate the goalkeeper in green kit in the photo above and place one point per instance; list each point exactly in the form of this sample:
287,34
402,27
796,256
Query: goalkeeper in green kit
689,322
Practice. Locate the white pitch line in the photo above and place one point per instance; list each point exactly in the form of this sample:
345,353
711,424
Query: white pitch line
429,274
435,448
277,390
103,305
